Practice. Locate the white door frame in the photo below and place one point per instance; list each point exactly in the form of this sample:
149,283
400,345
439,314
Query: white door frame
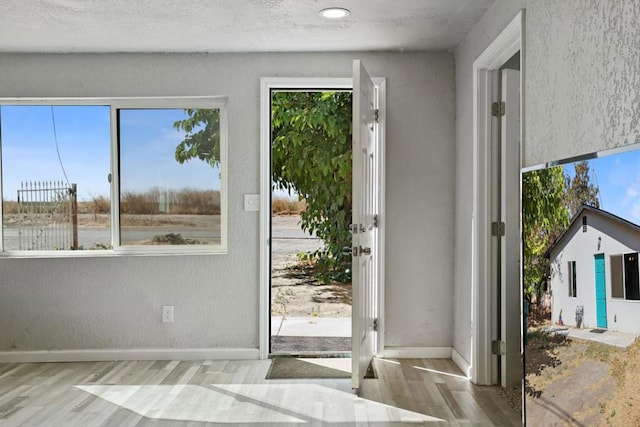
507,44
306,83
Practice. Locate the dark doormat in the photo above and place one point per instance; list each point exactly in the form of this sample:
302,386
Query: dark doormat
301,345
291,367
598,331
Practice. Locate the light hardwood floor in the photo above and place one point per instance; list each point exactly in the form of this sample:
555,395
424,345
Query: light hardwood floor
208,393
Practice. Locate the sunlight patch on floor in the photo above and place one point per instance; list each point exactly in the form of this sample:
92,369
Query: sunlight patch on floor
251,403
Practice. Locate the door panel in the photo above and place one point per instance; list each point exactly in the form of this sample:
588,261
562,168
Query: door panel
511,367
365,231
601,292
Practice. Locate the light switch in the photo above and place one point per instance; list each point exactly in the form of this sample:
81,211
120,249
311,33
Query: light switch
252,202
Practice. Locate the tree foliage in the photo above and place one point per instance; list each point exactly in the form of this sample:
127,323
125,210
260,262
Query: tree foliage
580,190
202,136
311,156
544,216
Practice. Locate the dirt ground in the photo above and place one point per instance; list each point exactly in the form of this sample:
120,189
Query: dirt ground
294,290
579,383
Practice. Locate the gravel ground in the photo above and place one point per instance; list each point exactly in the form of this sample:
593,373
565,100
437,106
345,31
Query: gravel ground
293,291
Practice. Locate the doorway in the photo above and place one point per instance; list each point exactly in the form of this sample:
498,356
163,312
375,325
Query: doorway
368,213
311,202
497,322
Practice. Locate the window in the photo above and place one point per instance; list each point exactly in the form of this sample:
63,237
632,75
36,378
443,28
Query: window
573,290
584,224
624,276
55,168
131,175
617,276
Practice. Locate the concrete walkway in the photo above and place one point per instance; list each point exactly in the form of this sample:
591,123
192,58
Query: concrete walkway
310,326
613,338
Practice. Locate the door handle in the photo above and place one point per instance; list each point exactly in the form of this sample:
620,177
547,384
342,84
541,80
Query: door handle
357,228
356,251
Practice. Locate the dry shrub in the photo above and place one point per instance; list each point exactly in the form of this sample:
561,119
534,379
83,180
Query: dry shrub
186,201
9,207
100,205
139,203
195,202
286,206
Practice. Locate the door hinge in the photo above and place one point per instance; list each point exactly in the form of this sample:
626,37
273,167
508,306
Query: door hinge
376,115
498,347
498,109
375,325
497,228
375,221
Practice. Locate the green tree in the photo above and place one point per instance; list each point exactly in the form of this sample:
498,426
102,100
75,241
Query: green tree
311,156
544,216
202,136
580,190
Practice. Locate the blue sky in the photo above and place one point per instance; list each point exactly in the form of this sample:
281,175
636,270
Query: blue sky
148,142
618,177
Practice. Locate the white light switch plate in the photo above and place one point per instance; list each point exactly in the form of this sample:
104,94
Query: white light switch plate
252,202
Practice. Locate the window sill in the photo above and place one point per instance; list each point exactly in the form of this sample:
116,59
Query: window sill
122,252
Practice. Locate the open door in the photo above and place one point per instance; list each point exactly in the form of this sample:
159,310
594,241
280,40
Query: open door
510,316
366,203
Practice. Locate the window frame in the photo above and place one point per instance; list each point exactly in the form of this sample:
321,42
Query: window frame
622,276
572,279
115,104
616,277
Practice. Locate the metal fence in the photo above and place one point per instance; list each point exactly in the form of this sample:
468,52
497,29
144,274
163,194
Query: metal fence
48,216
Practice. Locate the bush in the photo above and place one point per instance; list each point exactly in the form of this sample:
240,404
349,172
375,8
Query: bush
286,206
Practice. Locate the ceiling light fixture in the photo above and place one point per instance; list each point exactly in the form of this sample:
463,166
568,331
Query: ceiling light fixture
334,13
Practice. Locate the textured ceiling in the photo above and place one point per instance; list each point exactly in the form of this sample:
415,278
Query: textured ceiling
233,25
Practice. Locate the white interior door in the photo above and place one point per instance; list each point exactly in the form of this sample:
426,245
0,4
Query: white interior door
365,242
511,366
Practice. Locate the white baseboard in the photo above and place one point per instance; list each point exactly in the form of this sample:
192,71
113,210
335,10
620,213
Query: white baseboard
464,366
134,354
417,352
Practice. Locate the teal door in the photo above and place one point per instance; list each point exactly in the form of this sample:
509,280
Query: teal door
601,292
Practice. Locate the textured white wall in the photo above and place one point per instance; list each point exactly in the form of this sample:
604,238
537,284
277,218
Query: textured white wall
480,37
114,302
583,77
603,236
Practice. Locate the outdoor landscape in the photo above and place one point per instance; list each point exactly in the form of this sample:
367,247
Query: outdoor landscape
297,288
578,382
571,381
185,216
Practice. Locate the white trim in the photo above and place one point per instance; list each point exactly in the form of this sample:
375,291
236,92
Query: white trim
417,352
464,366
508,43
306,83
266,85
136,354
381,85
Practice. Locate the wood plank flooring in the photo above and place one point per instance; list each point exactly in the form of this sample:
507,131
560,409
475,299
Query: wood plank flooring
411,392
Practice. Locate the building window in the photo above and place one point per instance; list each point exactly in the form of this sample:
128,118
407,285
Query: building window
55,169
617,276
573,289
584,224
624,276
129,175
170,181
